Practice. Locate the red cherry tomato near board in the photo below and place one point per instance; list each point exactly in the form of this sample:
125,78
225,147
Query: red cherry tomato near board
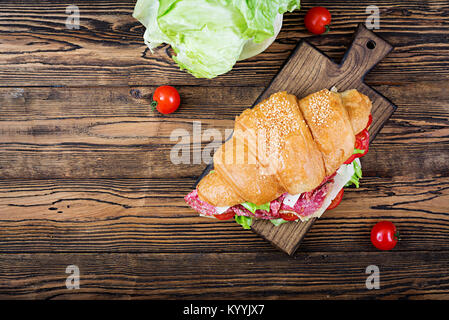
166,99
384,235
317,20
225,215
288,216
336,200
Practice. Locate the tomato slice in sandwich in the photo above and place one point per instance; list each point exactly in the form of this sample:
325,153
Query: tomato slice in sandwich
225,215
288,216
370,120
336,200
361,144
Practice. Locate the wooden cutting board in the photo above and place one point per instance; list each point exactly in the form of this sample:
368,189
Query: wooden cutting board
308,70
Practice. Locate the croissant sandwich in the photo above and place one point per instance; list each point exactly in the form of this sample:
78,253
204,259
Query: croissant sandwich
287,159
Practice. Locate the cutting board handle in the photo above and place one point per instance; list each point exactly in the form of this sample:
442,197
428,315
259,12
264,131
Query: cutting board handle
365,52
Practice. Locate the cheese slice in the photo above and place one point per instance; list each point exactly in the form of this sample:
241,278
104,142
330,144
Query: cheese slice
290,200
344,174
221,210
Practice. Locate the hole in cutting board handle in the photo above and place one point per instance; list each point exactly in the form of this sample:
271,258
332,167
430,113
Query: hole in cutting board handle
371,44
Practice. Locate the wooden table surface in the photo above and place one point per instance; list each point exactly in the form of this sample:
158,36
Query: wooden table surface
86,177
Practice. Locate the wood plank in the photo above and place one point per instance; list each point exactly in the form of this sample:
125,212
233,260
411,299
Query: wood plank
56,103
108,147
108,49
78,133
212,102
149,215
319,275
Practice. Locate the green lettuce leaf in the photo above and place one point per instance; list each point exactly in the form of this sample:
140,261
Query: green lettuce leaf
260,16
244,221
278,222
356,176
252,207
208,36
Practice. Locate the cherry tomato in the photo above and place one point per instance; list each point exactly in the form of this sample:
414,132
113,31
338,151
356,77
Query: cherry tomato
225,215
317,20
336,200
166,99
288,216
361,143
384,235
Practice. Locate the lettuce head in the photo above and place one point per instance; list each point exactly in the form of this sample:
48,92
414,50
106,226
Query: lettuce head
210,36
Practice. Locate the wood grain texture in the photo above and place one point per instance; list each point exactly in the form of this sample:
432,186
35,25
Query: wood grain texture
89,127
37,49
89,198
318,275
149,215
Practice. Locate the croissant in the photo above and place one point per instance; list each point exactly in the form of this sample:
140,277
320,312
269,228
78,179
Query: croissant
283,149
